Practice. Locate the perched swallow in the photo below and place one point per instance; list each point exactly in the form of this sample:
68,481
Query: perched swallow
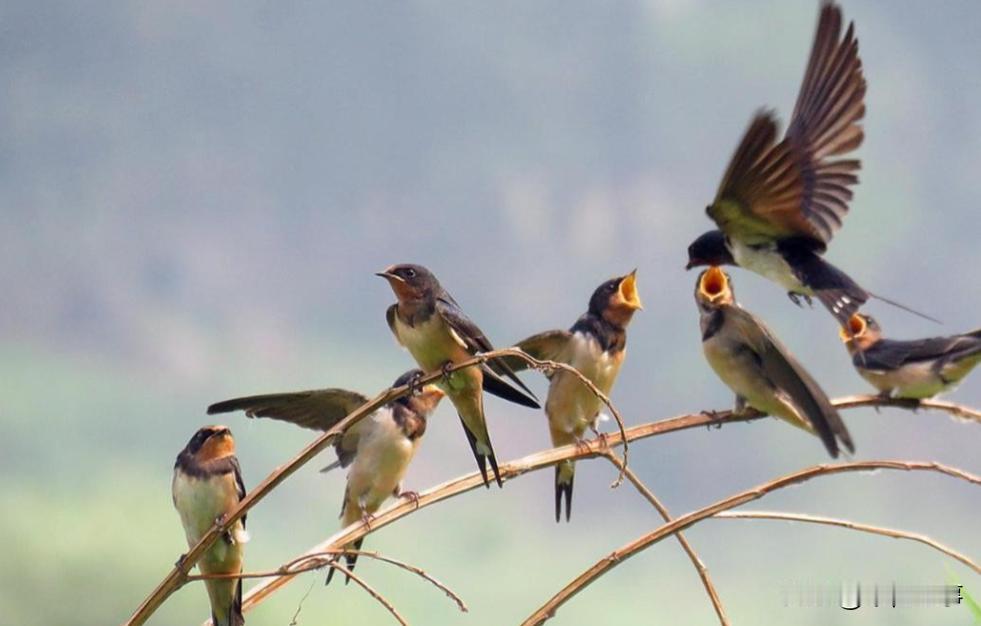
432,326
207,485
378,449
920,368
753,363
596,346
780,203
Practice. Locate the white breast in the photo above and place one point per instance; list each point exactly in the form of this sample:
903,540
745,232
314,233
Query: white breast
767,262
916,380
571,406
383,457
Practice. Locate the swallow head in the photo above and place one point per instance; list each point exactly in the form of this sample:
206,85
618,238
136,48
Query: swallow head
860,333
210,443
709,249
423,401
409,282
617,299
713,289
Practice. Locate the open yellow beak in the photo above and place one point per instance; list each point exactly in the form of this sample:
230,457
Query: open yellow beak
714,284
628,291
855,328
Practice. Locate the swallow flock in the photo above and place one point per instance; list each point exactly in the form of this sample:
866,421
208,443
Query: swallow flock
777,208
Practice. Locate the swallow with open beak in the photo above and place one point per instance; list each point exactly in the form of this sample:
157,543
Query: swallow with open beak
918,368
207,485
432,326
754,364
378,449
781,202
596,346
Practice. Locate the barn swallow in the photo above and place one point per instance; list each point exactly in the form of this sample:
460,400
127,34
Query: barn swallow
596,346
919,368
749,359
207,485
780,203
432,326
378,449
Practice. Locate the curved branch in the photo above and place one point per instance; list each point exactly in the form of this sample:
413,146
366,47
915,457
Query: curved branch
956,410
689,550
843,523
547,610
371,592
546,458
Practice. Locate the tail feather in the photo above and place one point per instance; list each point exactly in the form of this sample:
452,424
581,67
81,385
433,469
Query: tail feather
483,458
563,491
499,387
234,616
905,308
350,559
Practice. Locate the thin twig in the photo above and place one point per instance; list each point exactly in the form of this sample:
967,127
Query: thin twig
843,523
371,591
604,565
546,458
689,550
954,409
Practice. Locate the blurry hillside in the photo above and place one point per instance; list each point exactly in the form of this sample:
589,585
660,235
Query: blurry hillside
193,199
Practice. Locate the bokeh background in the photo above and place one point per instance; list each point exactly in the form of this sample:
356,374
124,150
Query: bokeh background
194,199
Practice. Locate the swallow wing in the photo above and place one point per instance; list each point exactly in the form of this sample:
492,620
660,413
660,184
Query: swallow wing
467,332
239,483
546,346
318,409
390,318
889,354
786,374
794,188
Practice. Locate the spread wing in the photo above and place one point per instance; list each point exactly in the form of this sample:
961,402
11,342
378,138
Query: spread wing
783,370
475,341
546,346
795,188
318,409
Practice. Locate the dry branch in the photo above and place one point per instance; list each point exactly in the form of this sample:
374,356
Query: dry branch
549,457
604,565
867,528
689,550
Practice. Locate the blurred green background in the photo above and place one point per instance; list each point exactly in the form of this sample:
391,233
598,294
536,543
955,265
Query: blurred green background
194,198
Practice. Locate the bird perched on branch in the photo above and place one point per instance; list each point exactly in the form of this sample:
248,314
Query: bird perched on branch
780,202
753,363
432,326
207,485
378,449
917,368
596,346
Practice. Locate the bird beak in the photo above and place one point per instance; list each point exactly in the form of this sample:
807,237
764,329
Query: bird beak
855,328
714,285
387,274
690,264
628,291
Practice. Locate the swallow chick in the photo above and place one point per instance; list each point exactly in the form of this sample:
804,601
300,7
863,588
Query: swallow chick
378,449
754,364
207,485
916,369
428,322
780,202
596,346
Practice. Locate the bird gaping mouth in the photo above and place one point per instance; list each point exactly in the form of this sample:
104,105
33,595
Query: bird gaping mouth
628,291
853,329
714,284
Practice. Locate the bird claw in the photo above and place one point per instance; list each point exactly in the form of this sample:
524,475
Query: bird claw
582,446
713,415
447,371
601,437
366,519
179,563
415,388
411,496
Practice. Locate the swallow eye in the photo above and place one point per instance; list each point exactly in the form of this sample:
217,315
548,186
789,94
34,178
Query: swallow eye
410,273
611,286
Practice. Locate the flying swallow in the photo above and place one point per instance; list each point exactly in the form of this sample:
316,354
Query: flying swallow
378,449
919,368
781,202
753,363
207,485
432,326
596,346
